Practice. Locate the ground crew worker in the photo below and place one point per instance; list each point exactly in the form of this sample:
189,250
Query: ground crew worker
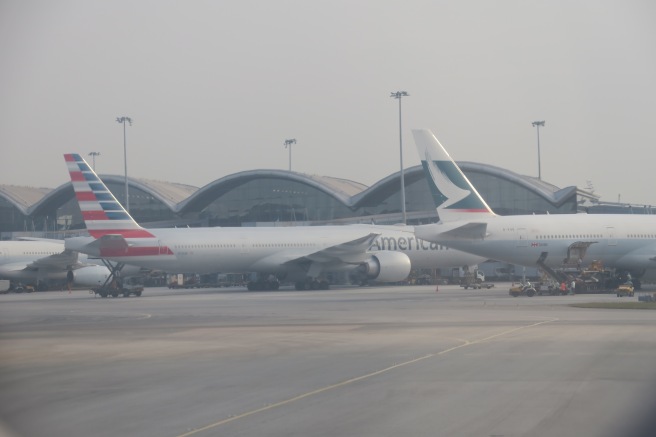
69,280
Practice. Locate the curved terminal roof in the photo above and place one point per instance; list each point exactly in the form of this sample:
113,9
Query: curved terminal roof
380,190
23,197
182,198
551,193
341,189
169,193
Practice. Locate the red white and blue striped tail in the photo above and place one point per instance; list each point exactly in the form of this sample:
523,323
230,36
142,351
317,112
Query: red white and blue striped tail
102,213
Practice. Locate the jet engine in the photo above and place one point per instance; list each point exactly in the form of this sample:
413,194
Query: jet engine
90,276
387,266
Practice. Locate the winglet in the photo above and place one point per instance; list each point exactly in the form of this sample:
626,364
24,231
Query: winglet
455,197
102,213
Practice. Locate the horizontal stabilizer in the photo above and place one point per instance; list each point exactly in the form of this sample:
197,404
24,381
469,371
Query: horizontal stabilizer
468,231
107,244
111,245
452,231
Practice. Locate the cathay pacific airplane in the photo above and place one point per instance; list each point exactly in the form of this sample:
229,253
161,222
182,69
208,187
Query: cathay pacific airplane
43,264
301,254
620,241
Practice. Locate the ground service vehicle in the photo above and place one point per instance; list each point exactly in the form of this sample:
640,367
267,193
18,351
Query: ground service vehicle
116,288
126,291
185,280
475,280
521,289
625,290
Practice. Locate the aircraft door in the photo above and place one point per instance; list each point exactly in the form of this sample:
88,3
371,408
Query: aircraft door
244,244
522,238
612,241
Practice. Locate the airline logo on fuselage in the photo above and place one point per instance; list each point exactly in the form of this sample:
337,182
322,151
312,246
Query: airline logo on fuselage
405,244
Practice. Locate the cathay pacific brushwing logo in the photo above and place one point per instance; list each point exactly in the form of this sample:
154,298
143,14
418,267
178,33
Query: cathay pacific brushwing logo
448,192
450,189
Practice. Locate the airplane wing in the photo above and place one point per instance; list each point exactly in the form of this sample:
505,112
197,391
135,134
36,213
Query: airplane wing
350,252
64,260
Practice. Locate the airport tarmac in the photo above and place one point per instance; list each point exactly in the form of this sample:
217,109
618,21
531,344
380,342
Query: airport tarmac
380,361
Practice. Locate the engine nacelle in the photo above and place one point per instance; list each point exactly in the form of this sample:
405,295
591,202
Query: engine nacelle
90,276
387,266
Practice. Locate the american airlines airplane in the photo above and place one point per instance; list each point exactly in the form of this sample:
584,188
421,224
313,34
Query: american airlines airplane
624,242
41,263
301,254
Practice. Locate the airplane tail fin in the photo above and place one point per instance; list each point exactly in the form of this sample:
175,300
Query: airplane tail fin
102,213
455,197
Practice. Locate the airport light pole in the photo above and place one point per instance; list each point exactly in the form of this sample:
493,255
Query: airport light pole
125,158
93,156
537,125
399,95
288,143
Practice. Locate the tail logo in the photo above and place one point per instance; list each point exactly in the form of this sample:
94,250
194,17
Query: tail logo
102,213
449,188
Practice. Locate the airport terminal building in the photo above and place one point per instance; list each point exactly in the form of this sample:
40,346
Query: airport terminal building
284,198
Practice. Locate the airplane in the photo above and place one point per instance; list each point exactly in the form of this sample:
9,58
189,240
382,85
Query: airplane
43,263
302,254
423,254
626,243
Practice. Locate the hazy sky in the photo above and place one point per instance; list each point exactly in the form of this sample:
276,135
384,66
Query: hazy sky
215,87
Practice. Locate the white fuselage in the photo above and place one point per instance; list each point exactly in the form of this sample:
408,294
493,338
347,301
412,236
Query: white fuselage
272,250
31,262
27,262
619,241
25,252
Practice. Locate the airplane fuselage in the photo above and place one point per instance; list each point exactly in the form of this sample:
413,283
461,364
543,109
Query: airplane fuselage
266,249
620,241
16,255
33,262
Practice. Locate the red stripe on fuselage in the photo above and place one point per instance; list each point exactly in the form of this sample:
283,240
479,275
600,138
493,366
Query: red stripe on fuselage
126,233
135,251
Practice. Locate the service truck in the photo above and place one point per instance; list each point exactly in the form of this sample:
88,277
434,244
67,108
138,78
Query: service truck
475,280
